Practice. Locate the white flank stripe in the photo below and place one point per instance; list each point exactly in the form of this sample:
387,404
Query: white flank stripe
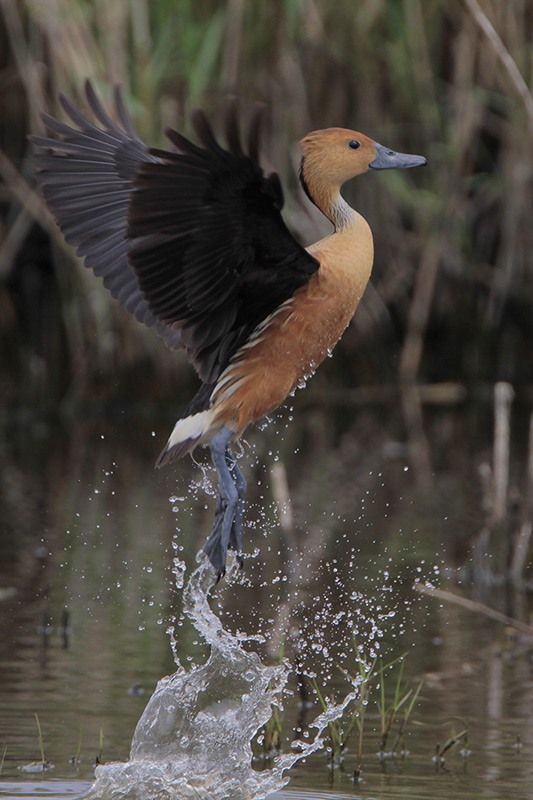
252,342
255,338
232,388
225,378
262,325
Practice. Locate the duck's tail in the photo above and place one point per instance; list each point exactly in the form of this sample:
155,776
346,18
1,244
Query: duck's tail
187,434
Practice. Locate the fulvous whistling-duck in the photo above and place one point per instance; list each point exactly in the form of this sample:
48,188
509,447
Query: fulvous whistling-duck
191,241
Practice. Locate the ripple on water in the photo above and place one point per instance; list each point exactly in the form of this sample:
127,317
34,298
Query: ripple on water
57,790
49,789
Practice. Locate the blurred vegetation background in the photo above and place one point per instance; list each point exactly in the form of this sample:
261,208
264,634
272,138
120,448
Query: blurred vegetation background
452,294
448,313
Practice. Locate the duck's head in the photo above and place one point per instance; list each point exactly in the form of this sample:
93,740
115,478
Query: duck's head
335,155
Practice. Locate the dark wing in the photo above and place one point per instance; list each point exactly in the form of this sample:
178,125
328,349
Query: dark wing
86,177
191,242
208,243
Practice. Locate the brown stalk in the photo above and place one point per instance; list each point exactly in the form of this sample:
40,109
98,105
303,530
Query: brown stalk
26,196
503,397
523,539
473,606
504,56
13,241
410,363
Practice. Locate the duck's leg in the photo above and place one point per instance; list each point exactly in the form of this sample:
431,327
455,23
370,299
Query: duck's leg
236,534
216,547
236,538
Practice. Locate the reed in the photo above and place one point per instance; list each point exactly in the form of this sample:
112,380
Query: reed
100,755
270,738
449,745
401,700
395,703
364,672
337,737
75,760
41,740
37,766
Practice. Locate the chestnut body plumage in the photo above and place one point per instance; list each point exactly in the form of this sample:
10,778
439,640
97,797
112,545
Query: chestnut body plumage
191,241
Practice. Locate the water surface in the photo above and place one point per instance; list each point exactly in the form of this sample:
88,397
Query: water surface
87,593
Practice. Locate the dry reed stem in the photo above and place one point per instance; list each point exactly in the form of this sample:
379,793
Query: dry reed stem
474,606
419,313
28,69
520,552
529,489
29,199
503,397
420,451
410,364
300,570
280,490
523,541
13,241
503,54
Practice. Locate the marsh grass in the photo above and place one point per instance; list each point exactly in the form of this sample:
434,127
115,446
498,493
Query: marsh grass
390,705
75,760
364,673
41,740
399,743
338,732
38,766
3,759
441,750
100,755
269,741
395,703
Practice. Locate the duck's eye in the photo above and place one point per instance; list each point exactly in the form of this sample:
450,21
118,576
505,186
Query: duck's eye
354,144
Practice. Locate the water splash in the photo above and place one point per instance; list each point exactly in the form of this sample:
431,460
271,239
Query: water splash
194,737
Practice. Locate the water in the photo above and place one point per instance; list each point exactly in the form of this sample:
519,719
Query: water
56,790
194,737
106,555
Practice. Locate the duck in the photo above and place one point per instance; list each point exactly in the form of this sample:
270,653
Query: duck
191,241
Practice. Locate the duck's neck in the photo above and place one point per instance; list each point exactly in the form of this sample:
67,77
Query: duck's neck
339,212
329,200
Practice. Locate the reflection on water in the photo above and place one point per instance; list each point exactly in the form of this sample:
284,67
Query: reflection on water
51,790
87,592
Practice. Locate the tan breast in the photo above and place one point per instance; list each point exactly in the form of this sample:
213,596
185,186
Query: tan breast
287,348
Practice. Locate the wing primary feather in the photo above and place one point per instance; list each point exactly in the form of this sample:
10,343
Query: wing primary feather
123,115
97,108
85,171
254,133
232,127
204,131
89,131
183,144
75,115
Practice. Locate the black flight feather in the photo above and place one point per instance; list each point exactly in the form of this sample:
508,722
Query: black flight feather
189,240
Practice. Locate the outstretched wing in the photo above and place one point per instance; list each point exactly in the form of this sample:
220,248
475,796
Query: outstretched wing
191,241
209,246
86,176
